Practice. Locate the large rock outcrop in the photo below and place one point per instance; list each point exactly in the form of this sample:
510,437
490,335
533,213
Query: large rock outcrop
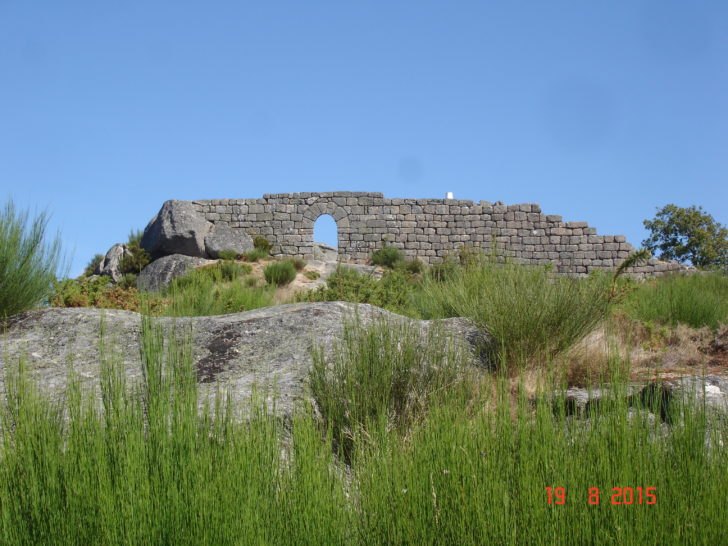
268,347
111,264
222,237
176,229
160,272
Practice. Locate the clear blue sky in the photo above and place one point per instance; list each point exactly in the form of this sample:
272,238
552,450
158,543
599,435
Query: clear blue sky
600,111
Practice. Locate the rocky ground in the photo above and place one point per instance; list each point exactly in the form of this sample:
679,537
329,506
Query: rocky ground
268,348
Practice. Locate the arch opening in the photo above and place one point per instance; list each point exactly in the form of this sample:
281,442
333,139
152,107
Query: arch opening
325,232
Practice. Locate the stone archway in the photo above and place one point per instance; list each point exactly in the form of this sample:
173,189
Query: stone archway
340,216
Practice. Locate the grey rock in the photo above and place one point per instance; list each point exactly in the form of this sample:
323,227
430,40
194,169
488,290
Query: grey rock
324,253
658,396
222,237
160,272
109,266
267,348
176,229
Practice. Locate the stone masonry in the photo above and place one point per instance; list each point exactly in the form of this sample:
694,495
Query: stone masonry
428,229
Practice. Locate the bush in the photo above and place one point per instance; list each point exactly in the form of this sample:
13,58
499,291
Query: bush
388,371
279,273
262,244
444,270
128,280
531,314
696,300
254,255
413,266
298,263
392,292
28,263
92,265
312,275
217,273
228,255
137,258
98,292
387,256
201,293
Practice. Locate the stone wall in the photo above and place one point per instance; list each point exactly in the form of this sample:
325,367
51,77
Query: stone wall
428,229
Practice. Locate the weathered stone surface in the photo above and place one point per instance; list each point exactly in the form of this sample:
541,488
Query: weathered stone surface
176,229
269,347
324,253
222,237
109,266
160,272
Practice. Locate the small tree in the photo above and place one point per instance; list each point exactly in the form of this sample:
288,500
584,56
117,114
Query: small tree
137,258
687,235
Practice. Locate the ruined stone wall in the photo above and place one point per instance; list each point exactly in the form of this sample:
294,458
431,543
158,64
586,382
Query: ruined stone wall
428,229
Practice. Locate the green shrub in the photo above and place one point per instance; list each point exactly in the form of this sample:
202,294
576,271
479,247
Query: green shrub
531,313
217,273
695,300
92,265
128,280
312,275
254,255
28,262
387,256
413,266
391,292
279,273
444,271
262,244
202,293
99,292
228,255
298,263
137,258
389,371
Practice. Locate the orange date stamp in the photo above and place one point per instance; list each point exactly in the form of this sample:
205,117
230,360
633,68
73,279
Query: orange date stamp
619,495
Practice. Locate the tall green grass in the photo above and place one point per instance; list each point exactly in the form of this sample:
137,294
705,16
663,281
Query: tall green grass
696,300
147,466
213,291
28,261
531,313
389,371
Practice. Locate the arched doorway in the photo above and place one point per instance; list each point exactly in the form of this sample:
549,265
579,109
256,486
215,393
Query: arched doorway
325,238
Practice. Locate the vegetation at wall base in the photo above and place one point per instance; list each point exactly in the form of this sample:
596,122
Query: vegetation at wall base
262,244
145,465
279,273
387,256
255,255
228,255
28,261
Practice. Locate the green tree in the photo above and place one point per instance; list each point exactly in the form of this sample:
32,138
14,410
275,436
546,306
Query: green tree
137,258
687,234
